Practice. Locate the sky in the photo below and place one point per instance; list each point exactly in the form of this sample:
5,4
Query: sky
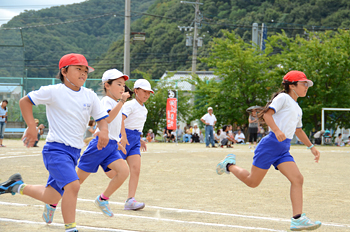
11,8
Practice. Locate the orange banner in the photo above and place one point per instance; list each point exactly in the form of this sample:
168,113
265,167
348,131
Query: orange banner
171,113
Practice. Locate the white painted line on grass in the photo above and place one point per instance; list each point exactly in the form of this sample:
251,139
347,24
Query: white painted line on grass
62,225
18,156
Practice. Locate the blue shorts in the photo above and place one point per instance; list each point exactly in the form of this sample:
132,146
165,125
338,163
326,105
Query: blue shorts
271,152
134,146
60,160
92,158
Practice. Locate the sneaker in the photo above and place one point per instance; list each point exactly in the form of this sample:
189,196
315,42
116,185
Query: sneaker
7,186
48,213
304,223
104,207
132,204
221,167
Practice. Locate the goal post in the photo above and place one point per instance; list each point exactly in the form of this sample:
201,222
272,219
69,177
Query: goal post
330,109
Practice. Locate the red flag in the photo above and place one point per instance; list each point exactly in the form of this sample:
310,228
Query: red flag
171,113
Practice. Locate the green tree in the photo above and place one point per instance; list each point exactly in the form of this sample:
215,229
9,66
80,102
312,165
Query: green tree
324,58
243,80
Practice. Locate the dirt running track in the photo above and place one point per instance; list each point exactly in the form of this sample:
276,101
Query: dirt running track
182,192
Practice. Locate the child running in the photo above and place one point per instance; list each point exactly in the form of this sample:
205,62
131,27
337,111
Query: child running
283,116
68,109
134,118
109,157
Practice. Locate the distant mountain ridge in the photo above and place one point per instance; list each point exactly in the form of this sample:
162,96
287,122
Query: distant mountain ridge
95,28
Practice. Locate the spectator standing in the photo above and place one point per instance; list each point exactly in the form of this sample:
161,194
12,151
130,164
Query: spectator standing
253,128
3,120
179,133
209,120
150,136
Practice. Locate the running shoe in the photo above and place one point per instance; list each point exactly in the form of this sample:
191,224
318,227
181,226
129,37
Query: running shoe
221,167
48,213
304,223
104,207
132,204
7,186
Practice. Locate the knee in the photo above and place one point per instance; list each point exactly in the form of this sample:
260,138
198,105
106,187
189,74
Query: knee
253,184
124,172
72,187
298,180
135,170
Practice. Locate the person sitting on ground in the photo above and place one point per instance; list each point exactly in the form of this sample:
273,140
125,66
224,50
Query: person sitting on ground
217,136
339,141
150,136
225,139
168,135
195,134
187,136
179,133
239,137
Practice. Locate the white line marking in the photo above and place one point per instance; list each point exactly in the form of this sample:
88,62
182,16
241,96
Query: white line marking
154,218
62,225
18,156
187,211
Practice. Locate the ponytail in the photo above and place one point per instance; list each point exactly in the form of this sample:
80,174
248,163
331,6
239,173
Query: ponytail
286,90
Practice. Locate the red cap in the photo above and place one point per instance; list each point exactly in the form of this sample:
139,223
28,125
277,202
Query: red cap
293,76
74,59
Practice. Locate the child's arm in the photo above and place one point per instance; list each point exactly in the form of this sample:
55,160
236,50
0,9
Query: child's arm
103,138
115,111
271,123
143,145
305,140
31,134
124,139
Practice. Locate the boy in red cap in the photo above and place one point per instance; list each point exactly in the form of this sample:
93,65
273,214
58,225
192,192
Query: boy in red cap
69,106
283,116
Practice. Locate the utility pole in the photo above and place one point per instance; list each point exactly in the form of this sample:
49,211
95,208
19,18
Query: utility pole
127,38
195,42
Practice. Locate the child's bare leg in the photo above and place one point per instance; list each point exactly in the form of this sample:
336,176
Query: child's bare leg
252,179
82,175
134,163
121,171
291,171
69,201
47,194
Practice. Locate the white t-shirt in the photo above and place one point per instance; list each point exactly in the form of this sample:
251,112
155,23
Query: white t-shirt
287,115
3,112
196,131
240,137
222,136
115,126
68,112
136,115
209,119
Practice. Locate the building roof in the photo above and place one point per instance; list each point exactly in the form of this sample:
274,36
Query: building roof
180,75
7,89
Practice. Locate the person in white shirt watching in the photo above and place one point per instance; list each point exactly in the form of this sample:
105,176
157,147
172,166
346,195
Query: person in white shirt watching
239,137
209,120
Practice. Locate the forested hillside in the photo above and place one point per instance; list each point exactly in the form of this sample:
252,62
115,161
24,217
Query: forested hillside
94,26
165,48
88,28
